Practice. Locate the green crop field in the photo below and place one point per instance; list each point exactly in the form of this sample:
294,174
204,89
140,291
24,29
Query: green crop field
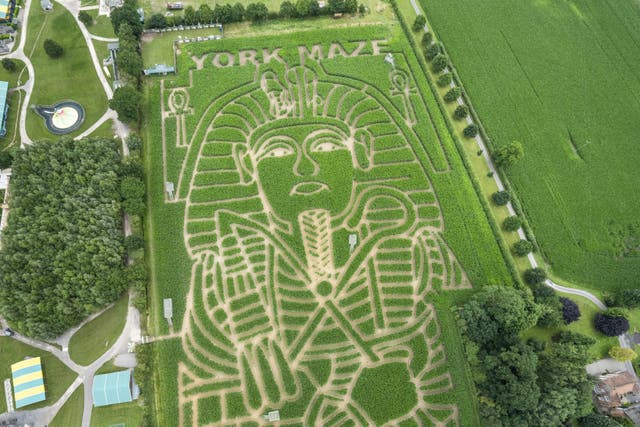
562,78
320,228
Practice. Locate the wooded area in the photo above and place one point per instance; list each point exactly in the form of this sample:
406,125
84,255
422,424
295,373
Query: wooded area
62,255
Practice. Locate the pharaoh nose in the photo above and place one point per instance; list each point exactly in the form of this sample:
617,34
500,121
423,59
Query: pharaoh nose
306,166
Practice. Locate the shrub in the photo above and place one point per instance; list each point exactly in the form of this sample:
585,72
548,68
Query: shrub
287,10
427,38
257,12
157,20
440,62
85,18
419,23
134,142
432,51
625,298
534,276
501,198
445,80
611,326
512,223
133,242
471,131
9,65
53,49
461,112
570,310
622,354
522,248
6,159
453,94
598,420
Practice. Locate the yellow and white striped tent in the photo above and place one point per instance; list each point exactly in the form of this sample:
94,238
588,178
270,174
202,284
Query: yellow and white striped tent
28,382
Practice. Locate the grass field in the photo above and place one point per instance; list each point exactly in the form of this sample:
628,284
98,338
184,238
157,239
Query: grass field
57,377
71,413
543,73
415,202
101,25
97,336
129,414
70,77
12,138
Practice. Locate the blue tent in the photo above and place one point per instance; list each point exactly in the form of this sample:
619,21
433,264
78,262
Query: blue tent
113,388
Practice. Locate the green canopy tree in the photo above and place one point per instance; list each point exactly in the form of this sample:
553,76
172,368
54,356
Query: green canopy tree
126,102
509,154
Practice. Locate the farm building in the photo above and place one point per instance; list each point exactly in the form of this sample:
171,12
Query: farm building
113,388
162,69
4,106
6,10
28,382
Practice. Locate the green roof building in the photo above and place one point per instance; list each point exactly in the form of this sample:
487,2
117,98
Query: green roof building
4,107
111,389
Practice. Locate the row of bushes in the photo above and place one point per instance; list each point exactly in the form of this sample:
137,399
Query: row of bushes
459,147
254,12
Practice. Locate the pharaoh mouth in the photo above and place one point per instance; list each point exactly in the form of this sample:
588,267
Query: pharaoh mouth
308,188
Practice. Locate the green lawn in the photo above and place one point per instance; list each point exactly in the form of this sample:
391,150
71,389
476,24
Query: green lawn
71,413
70,77
104,130
97,336
57,377
12,77
129,414
12,138
541,73
101,25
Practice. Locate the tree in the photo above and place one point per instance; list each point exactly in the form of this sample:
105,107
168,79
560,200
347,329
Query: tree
598,420
288,10
551,307
453,94
362,9
205,14
432,51
237,12
440,62
629,298
497,314
611,325
257,12
130,63
132,193
501,198
85,18
445,80
622,354
6,159
128,13
427,38
53,49
314,8
9,64
351,6
419,23
522,247
134,142
570,310
335,6
471,131
461,112
126,102
534,276
512,223
157,20
509,154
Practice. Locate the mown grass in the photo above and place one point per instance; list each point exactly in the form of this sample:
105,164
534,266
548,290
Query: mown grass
558,76
101,25
129,414
97,336
12,138
71,413
57,377
71,76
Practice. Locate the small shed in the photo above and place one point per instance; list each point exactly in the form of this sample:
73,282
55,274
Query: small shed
163,69
113,388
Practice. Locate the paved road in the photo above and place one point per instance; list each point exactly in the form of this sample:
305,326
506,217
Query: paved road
623,339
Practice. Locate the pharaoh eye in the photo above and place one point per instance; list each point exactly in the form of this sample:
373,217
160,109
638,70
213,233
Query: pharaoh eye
279,152
327,146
